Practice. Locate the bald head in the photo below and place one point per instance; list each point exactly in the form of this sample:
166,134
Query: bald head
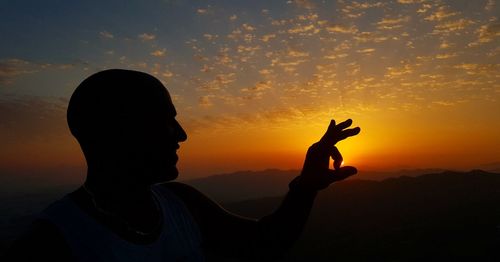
125,119
111,100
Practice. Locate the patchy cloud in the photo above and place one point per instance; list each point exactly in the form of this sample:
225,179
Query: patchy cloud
486,33
106,35
452,26
146,37
410,1
441,14
11,68
299,29
366,50
205,101
392,23
490,5
307,4
202,11
29,118
159,52
341,29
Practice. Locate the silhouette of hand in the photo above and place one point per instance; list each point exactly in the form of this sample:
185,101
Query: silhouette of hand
316,174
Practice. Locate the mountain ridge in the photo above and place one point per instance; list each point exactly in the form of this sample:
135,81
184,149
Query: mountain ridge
391,219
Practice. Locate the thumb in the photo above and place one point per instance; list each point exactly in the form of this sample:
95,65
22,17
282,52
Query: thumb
342,173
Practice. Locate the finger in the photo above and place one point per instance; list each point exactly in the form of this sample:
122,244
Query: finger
331,126
330,129
337,158
344,125
332,133
347,133
342,173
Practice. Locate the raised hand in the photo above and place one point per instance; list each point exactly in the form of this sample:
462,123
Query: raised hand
316,173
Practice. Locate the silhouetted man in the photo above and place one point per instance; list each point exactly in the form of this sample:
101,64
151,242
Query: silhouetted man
127,211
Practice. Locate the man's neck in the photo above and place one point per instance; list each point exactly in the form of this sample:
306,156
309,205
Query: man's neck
118,196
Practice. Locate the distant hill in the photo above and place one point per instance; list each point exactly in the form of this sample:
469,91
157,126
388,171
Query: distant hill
446,216
244,185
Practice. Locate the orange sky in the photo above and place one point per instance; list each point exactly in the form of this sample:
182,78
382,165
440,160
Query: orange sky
256,84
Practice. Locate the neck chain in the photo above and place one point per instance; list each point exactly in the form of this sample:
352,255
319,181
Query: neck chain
115,216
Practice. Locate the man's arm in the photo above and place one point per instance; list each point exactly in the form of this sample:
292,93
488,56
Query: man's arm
43,242
228,234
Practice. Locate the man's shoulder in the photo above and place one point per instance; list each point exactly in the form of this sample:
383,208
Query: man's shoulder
42,241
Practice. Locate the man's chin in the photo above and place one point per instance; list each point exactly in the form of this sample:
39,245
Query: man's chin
166,174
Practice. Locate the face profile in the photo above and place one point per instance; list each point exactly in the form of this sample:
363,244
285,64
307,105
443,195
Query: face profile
125,120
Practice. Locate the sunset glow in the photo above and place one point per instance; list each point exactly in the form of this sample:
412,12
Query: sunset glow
256,82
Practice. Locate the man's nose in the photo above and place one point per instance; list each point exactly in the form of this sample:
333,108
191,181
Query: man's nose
181,134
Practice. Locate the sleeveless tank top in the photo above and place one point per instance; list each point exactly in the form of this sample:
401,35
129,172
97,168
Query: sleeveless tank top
180,239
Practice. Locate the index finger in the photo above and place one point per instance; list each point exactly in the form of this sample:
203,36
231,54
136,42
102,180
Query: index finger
347,133
335,133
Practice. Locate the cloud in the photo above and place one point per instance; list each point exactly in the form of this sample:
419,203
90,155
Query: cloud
159,52
445,45
265,72
452,26
205,101
366,50
106,35
488,70
393,72
366,5
202,11
306,4
309,17
278,22
392,23
266,38
218,82
233,17
446,56
490,5
11,68
356,9
210,37
440,14
341,29
410,1
444,103
146,37
295,53
29,118
167,74
235,34
375,37
248,27
486,33
256,91
300,29
247,49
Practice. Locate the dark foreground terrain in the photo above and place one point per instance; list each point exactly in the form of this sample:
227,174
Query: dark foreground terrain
446,216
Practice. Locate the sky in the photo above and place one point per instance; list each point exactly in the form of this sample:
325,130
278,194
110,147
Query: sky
256,82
